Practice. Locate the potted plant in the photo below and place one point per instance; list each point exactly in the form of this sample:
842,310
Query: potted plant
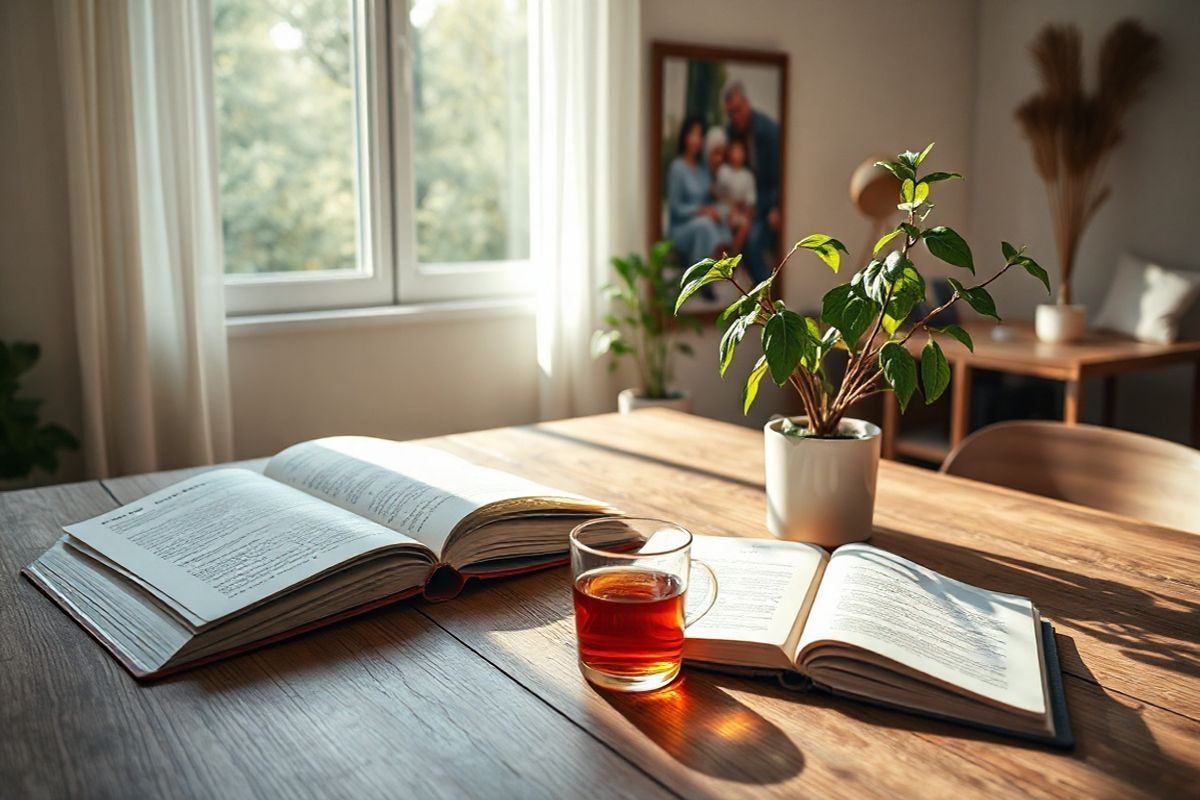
641,327
821,467
25,443
1072,133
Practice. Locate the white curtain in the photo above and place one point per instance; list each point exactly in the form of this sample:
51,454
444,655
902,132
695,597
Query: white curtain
586,182
145,233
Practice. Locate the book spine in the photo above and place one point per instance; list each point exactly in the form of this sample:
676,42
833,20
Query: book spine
444,582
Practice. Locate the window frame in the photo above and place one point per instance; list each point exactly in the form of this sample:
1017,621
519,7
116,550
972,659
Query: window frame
386,189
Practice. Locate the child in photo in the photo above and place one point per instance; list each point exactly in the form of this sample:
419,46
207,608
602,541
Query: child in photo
735,187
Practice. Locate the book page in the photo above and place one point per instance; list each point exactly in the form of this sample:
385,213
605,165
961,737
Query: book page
227,539
981,641
420,491
763,589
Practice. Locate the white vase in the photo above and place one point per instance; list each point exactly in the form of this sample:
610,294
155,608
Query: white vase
629,400
822,490
1060,324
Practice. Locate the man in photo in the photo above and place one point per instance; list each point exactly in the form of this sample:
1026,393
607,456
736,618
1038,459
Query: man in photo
761,135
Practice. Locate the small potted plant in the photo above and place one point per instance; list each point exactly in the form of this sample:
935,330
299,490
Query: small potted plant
640,327
1072,133
821,466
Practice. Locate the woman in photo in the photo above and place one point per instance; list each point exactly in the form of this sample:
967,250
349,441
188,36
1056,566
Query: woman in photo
694,224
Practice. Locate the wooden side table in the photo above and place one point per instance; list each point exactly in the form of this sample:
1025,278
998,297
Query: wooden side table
1099,355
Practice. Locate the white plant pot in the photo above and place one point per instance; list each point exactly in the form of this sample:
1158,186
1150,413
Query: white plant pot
822,490
1059,324
629,401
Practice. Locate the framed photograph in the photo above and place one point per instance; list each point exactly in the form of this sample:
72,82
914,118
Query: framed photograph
718,120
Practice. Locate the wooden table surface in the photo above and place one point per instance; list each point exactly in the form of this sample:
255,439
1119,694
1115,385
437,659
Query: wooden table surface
481,696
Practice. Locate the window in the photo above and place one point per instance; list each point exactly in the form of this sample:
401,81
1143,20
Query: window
371,152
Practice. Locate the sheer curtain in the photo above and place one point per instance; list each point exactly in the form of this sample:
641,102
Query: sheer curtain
585,185
145,233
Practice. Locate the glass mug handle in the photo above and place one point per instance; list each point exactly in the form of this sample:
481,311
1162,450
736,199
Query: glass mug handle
712,593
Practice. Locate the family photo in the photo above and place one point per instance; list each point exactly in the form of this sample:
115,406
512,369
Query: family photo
719,118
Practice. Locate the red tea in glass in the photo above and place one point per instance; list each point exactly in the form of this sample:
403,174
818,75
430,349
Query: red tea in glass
630,579
630,624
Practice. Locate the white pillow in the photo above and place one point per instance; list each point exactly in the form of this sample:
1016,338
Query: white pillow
1146,301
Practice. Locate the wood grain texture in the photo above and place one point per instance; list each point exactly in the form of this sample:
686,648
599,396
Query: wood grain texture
389,706
1126,473
1129,646
1124,597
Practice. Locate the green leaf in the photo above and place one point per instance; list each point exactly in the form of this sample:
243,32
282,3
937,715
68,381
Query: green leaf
907,291
703,273
908,158
849,310
977,297
935,371
912,194
785,343
696,270
924,153
1034,269
934,177
872,281
733,337
826,248
899,371
913,231
894,265
1014,256
901,171
750,391
887,237
946,244
958,333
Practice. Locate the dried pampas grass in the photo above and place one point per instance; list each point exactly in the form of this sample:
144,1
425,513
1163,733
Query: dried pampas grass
1071,132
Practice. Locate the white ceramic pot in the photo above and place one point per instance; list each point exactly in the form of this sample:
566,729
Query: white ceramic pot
822,490
1059,324
629,401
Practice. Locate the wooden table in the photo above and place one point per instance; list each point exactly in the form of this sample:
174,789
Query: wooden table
481,696
1098,355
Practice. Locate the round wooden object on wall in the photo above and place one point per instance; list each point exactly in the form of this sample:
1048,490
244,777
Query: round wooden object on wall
874,190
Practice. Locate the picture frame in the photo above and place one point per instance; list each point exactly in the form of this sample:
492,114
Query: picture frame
732,201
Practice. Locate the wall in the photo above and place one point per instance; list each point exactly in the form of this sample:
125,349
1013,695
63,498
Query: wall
35,281
1154,205
848,99
399,380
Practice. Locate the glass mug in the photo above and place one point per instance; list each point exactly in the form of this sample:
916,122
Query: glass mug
630,585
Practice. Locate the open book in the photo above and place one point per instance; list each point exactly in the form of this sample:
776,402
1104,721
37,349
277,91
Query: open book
871,625
233,559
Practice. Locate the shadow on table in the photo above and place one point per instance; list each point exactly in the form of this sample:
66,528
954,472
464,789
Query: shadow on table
704,728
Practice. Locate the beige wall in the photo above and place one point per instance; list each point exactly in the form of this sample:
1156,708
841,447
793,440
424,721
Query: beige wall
1154,206
399,380
423,378
35,281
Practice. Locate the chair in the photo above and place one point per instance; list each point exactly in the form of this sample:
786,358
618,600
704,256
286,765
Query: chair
1111,470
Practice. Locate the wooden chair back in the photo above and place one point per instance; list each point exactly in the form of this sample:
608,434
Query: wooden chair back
1118,471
